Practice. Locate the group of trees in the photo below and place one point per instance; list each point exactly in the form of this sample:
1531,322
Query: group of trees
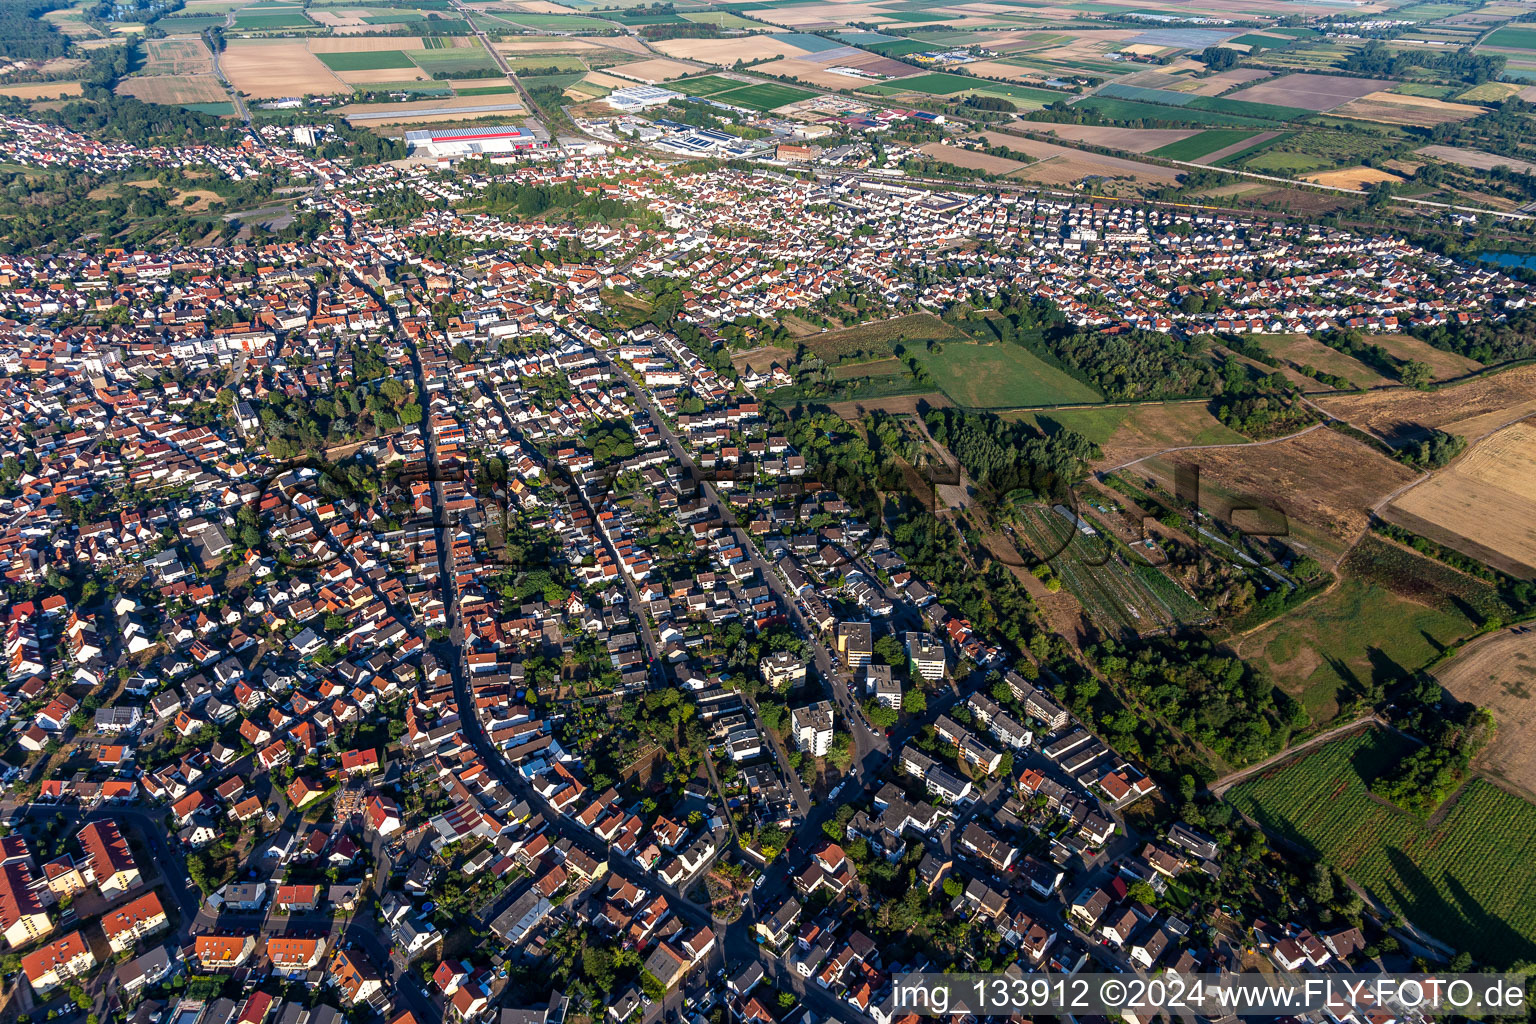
1433,451
1484,340
1259,406
1219,58
1006,455
1376,60
1453,734
1211,696
24,35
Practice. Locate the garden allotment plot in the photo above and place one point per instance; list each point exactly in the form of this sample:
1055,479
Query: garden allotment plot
1120,596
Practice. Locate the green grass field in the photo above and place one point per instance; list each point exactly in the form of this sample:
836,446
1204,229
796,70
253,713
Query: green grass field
1169,425
934,83
1221,105
1512,38
270,19
708,85
1002,376
1467,882
938,83
898,47
1196,146
763,97
557,22
722,19
189,24
458,59
1130,110
1391,613
365,60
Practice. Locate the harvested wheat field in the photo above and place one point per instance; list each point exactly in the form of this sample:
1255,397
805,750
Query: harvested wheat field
629,44
725,52
274,68
1061,165
542,44
1487,496
176,55
1418,111
1498,672
173,89
1148,428
810,74
1477,159
1224,80
1320,480
1446,365
656,71
1351,177
41,90
1472,409
507,101
970,159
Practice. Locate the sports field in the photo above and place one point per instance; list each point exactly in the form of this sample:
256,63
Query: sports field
763,97
709,85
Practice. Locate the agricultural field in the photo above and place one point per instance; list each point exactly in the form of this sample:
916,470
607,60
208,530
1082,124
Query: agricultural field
1002,375
1132,110
272,68
1312,92
727,51
1411,111
1466,879
270,18
971,159
1486,499
1300,350
1203,144
707,85
1132,140
1128,432
366,60
453,59
1063,165
1302,480
176,55
174,90
1498,672
1391,613
1473,408
1511,37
